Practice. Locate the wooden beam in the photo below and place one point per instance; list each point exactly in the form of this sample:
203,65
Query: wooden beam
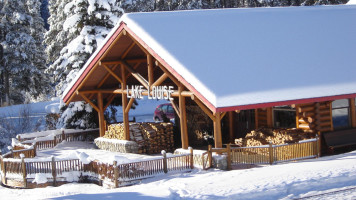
114,91
269,117
231,127
353,112
138,44
317,116
125,115
128,107
150,68
217,131
256,118
101,115
121,91
183,120
106,77
115,62
331,116
175,107
127,50
222,115
297,115
160,80
134,67
175,81
111,98
112,73
90,102
135,74
205,109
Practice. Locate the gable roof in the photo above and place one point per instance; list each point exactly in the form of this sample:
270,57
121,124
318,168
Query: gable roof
239,58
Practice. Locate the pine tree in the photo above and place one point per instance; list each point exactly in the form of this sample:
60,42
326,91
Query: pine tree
84,24
22,65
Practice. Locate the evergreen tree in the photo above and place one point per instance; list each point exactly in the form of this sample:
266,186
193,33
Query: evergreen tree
21,68
84,24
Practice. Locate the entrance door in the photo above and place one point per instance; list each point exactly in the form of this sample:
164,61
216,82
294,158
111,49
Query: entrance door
244,122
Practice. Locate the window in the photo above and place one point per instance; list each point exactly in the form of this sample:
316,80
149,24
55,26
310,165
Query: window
341,113
170,109
164,108
284,117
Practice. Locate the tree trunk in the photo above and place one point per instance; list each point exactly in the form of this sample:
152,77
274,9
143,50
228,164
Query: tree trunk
7,87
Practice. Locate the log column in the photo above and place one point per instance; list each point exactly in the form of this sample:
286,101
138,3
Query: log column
231,127
125,115
183,119
217,130
269,117
101,115
150,69
352,112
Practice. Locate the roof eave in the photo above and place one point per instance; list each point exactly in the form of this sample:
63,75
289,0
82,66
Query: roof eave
288,102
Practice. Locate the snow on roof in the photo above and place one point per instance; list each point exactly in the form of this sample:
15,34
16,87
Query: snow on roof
236,57
351,2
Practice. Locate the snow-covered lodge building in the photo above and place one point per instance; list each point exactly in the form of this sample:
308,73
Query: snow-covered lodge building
272,67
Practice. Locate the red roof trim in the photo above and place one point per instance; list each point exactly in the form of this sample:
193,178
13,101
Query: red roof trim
92,63
289,102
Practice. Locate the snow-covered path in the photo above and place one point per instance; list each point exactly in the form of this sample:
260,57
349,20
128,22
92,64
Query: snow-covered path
282,181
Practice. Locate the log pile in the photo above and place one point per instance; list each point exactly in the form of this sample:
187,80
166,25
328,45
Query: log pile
263,136
151,138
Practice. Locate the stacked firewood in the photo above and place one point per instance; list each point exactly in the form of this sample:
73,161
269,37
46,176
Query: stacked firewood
264,136
115,131
136,136
151,138
164,135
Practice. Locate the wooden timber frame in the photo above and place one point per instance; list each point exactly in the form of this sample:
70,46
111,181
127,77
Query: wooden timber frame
125,61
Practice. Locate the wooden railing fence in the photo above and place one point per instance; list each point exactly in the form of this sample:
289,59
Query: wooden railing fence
71,136
116,173
268,154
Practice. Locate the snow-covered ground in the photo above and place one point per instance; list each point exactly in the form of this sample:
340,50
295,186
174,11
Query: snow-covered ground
282,181
68,150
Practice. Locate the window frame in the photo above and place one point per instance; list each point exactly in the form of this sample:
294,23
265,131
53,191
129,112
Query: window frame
286,108
348,107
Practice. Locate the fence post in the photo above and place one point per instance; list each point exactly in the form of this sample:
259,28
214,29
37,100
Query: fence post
63,135
23,166
202,160
35,148
210,156
11,150
318,145
54,171
4,170
116,174
228,156
164,154
270,149
191,158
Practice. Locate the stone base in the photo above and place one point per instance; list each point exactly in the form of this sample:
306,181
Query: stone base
114,145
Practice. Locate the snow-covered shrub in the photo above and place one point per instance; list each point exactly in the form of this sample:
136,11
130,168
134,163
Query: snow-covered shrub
52,120
77,115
